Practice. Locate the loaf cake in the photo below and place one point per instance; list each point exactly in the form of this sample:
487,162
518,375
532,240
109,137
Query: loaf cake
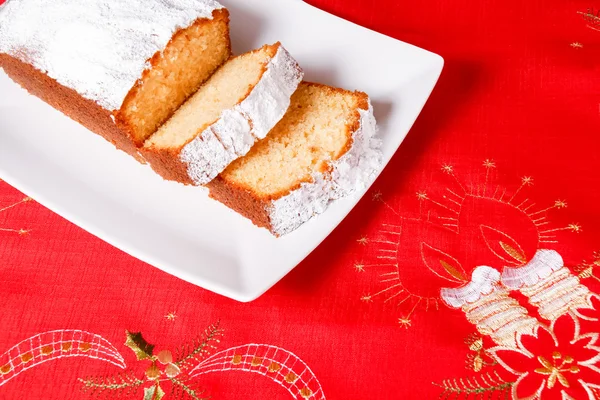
119,67
324,148
237,106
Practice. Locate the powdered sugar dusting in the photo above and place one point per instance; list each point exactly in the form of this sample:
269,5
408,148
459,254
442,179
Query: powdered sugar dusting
215,148
201,154
270,99
291,211
353,172
99,48
239,128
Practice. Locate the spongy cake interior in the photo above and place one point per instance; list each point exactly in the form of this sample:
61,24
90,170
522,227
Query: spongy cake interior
189,59
316,129
230,85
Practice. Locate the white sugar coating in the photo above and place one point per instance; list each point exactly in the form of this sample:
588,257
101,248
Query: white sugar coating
351,173
239,128
216,147
99,48
270,99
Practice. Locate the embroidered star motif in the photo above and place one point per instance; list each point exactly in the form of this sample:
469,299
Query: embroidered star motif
363,240
366,298
405,322
377,196
489,163
576,45
171,316
447,168
560,204
421,196
359,267
574,228
527,180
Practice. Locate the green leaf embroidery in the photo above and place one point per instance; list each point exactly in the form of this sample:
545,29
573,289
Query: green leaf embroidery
488,384
592,17
180,389
121,386
199,348
136,342
153,393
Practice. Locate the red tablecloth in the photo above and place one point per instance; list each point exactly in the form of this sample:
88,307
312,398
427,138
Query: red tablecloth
468,270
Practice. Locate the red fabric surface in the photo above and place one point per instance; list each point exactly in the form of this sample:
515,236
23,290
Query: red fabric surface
517,108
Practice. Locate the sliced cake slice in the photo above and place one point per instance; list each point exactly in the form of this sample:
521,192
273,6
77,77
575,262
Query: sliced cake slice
324,148
120,68
237,106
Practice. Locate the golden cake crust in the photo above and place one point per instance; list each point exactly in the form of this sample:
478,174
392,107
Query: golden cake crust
166,163
87,112
243,201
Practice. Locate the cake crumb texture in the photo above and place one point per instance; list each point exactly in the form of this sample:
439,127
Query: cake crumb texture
189,60
226,88
316,130
237,106
324,148
69,102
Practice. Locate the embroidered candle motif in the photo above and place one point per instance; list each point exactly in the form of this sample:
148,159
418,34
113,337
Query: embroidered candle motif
477,246
508,224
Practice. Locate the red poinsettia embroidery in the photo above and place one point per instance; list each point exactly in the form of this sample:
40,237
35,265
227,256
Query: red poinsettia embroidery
557,364
589,318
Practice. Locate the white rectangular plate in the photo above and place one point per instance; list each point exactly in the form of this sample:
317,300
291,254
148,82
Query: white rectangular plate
179,229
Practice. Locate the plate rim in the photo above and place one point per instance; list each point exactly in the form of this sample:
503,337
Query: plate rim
244,294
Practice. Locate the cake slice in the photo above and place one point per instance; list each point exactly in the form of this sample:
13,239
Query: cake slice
324,148
120,68
237,106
